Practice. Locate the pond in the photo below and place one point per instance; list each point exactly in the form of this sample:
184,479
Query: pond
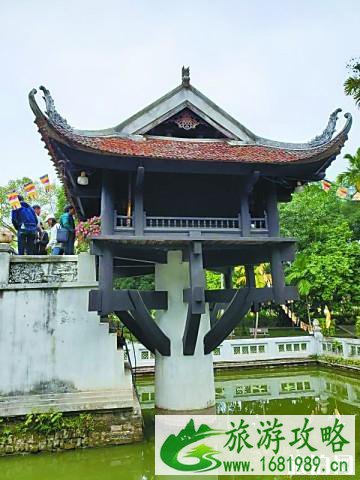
275,391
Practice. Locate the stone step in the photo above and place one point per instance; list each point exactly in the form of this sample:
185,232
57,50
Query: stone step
67,402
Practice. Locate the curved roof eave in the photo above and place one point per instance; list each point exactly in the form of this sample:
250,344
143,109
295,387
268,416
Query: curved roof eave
56,120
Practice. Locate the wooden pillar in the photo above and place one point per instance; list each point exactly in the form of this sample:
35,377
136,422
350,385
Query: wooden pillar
251,282
197,298
278,277
228,278
272,211
250,276
245,215
106,267
139,202
107,205
106,278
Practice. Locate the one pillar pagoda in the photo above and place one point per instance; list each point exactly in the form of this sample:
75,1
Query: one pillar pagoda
181,187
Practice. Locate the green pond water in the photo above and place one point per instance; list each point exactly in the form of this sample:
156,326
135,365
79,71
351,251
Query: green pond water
277,391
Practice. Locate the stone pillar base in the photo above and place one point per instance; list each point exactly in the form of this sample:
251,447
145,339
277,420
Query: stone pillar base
182,383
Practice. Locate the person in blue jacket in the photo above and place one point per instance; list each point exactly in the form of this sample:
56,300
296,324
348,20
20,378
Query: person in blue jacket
25,223
67,221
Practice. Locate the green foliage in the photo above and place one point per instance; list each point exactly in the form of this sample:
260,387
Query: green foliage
327,265
262,276
213,280
352,84
48,423
145,282
327,331
61,201
351,177
337,360
357,327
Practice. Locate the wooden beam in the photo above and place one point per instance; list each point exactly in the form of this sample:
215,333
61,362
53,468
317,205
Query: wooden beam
260,295
120,300
124,251
246,255
152,331
129,321
238,307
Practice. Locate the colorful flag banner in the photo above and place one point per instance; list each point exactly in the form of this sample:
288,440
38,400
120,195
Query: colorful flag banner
326,185
30,190
342,192
46,182
14,200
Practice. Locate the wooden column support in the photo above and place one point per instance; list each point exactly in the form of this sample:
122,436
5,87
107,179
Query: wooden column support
139,202
278,277
106,263
272,211
196,298
245,217
106,278
107,204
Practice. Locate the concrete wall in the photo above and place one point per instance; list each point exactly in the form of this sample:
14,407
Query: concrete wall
49,342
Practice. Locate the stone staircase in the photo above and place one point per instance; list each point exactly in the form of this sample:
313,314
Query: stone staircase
296,320
67,402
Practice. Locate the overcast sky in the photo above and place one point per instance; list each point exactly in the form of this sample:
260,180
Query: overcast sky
277,66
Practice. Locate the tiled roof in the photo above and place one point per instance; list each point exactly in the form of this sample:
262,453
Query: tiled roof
219,151
264,151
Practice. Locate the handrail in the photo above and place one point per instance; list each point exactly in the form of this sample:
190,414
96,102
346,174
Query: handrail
186,223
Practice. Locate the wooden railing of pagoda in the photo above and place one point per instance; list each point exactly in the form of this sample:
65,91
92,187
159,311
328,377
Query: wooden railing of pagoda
210,224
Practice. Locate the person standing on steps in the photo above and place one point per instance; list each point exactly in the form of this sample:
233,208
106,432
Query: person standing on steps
25,222
54,245
67,222
41,242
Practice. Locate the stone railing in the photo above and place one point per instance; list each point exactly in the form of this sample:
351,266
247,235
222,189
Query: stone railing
45,271
249,350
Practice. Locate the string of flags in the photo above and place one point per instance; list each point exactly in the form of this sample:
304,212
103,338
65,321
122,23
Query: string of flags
14,200
30,191
46,182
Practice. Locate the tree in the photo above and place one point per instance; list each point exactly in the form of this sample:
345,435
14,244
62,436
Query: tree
327,264
326,272
351,177
352,84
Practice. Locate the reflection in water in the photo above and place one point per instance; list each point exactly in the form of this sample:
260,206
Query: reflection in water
296,391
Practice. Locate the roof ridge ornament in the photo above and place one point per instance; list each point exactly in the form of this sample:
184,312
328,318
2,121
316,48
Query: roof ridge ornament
328,132
185,76
318,141
54,116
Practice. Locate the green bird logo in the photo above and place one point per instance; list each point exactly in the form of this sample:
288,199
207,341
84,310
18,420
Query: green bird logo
205,455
